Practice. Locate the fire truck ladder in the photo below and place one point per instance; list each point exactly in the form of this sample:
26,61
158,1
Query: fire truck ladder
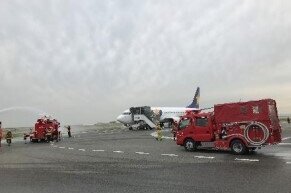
143,115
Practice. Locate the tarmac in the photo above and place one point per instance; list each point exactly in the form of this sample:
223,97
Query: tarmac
119,160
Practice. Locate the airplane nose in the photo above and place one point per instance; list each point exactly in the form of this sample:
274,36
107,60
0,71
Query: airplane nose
119,118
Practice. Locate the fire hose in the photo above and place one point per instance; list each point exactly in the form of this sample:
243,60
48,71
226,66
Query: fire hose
257,125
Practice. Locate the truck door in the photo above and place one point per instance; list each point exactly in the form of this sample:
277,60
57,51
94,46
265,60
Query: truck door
184,130
202,131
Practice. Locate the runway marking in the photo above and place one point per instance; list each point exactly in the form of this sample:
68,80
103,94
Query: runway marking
98,150
62,147
203,157
84,132
171,155
82,150
55,146
285,138
70,148
250,160
118,151
288,162
284,144
142,153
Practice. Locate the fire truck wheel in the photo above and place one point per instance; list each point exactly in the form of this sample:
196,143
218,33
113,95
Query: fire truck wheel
130,128
238,147
190,145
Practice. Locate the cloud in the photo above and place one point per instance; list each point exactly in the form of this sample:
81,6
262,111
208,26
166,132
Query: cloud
87,61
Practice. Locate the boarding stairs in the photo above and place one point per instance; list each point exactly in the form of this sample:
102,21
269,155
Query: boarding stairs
143,116
139,118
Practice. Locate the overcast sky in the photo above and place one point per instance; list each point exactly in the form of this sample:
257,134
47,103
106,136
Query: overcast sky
87,61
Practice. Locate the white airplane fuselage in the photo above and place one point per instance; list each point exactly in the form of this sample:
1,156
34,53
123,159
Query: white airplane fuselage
167,114
158,114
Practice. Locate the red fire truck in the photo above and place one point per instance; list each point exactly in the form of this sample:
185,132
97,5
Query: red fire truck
45,129
240,127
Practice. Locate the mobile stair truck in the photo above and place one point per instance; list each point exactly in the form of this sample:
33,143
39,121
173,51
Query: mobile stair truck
144,118
240,127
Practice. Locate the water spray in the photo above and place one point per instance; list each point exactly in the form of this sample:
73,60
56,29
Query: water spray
25,108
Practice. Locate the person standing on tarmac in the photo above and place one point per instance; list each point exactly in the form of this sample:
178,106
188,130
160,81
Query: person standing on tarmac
1,132
159,132
9,137
24,137
174,129
69,131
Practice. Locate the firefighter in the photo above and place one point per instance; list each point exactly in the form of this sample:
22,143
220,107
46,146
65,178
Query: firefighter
9,137
25,135
288,120
223,133
174,129
69,131
1,132
159,132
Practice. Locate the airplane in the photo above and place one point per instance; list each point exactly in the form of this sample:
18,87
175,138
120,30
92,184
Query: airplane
146,117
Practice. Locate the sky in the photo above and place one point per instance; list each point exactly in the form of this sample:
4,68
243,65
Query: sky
87,61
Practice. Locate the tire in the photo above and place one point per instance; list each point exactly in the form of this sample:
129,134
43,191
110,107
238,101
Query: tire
190,145
130,128
238,147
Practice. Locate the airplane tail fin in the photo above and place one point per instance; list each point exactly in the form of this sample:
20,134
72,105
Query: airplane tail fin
195,102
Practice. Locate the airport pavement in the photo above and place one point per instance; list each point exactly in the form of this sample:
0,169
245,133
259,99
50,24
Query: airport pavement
133,161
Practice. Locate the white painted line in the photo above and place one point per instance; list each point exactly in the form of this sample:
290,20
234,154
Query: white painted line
62,147
84,132
142,153
118,151
204,157
171,155
284,144
98,150
249,160
286,138
82,150
70,148
288,162
55,146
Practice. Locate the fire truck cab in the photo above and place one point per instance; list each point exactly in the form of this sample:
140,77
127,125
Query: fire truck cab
240,127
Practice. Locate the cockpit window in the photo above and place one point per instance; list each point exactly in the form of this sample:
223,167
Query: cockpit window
184,123
126,113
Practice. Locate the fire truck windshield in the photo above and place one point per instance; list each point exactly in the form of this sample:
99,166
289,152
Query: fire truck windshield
184,123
